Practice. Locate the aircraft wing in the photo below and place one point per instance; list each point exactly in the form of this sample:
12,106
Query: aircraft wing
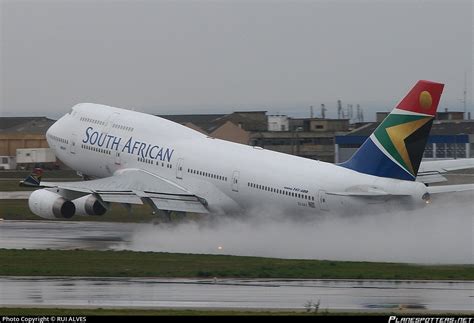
431,171
136,186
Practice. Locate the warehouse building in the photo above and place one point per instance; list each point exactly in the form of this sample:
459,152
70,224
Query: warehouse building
19,133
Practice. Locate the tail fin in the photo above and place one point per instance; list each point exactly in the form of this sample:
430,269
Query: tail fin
395,148
34,179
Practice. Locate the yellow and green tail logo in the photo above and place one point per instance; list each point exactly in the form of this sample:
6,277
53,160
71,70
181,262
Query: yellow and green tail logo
404,137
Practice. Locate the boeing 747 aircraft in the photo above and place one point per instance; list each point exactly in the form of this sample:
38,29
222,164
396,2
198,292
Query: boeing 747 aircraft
135,158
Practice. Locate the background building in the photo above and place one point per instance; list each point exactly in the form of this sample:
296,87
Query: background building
306,137
448,139
278,123
21,132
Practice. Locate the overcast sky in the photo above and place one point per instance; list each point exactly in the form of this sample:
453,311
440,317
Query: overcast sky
167,57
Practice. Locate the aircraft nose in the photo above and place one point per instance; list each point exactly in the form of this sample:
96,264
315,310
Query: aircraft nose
51,132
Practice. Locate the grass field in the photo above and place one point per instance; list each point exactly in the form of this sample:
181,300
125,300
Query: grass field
8,185
150,264
13,185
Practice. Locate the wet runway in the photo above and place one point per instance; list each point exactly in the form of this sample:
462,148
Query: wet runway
237,294
63,234
198,293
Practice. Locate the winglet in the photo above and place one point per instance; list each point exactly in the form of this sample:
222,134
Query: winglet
34,179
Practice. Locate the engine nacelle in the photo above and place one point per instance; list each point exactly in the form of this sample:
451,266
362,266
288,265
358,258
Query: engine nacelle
50,205
89,205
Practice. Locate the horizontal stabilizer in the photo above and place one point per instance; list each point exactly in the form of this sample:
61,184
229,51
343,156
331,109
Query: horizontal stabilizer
429,178
430,171
450,188
446,165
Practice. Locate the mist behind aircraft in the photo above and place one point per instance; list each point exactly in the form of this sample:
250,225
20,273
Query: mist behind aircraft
440,233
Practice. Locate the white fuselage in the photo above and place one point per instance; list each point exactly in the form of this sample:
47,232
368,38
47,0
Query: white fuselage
98,140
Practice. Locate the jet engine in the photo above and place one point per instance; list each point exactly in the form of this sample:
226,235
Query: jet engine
50,205
89,205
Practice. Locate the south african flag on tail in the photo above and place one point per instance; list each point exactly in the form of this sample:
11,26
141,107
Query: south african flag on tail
396,147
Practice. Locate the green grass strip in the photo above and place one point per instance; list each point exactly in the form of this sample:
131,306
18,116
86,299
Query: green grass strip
152,264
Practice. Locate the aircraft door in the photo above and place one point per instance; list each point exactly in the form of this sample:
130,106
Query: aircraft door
323,201
235,181
179,169
72,145
118,160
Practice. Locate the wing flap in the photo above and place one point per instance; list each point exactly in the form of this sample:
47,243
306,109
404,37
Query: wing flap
175,202
120,197
182,205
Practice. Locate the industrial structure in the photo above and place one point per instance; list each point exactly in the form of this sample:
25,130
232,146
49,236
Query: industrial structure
451,136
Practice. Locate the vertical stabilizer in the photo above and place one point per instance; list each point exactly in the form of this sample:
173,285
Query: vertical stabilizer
34,179
396,147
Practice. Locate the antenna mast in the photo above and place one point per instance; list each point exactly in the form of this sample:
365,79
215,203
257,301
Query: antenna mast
464,99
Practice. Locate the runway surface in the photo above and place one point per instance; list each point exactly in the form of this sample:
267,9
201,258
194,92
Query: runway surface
63,234
15,195
237,294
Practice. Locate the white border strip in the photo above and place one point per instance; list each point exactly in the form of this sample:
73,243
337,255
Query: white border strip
379,146
400,111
